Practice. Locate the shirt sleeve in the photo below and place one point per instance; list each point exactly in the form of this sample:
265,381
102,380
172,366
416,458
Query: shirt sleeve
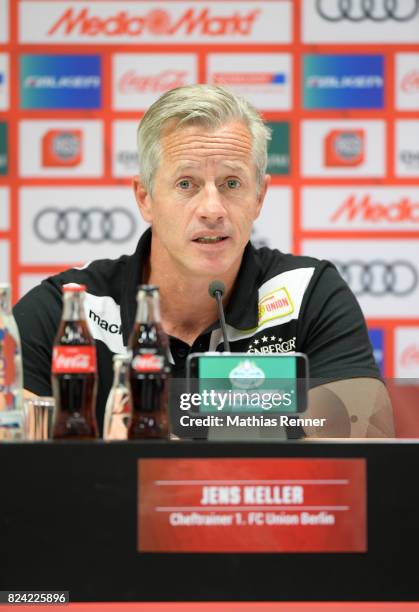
333,331
38,315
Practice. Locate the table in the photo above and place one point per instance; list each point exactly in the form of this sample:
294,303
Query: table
68,520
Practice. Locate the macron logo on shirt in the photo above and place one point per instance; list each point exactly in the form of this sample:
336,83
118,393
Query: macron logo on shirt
112,328
103,315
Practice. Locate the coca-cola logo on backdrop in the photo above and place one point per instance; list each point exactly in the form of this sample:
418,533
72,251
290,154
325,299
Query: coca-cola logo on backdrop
410,82
132,82
410,357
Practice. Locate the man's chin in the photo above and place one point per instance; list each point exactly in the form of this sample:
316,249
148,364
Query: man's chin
209,267
205,261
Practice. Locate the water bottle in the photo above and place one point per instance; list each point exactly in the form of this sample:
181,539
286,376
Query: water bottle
11,375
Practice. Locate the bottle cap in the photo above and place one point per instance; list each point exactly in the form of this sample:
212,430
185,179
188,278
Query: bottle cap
74,287
121,357
147,288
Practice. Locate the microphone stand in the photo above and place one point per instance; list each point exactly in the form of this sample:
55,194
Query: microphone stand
218,296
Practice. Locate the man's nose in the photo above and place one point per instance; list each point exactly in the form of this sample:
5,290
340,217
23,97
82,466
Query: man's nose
211,206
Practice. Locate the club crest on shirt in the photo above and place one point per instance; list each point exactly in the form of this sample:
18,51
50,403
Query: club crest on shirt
274,305
271,344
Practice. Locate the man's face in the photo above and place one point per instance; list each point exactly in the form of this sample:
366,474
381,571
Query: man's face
204,199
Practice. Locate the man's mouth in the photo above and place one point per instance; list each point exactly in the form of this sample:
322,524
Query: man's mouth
209,239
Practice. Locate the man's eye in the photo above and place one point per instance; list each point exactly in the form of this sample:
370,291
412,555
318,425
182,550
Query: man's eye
233,183
184,184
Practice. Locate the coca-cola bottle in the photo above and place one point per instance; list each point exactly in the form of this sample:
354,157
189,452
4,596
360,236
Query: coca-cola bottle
11,382
149,369
74,374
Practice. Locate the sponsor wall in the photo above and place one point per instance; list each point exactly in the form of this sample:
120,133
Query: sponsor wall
338,83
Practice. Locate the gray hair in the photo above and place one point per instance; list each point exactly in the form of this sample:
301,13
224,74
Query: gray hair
205,105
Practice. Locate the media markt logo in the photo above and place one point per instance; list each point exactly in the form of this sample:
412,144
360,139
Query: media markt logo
158,22
366,208
279,148
3,149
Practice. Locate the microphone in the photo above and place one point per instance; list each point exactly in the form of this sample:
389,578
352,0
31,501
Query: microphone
216,290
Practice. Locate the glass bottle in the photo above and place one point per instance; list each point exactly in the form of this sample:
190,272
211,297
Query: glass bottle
74,372
118,405
149,370
11,373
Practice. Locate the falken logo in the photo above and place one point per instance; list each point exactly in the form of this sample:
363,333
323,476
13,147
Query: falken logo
156,22
112,328
50,81
272,344
274,305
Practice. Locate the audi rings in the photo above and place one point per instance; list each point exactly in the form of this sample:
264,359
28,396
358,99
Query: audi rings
377,278
363,10
74,225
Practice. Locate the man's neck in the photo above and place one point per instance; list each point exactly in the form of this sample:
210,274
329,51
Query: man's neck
186,306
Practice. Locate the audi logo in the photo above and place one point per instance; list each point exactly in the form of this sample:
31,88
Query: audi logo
364,10
74,225
378,278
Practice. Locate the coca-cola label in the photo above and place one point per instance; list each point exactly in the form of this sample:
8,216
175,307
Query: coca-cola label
73,360
148,363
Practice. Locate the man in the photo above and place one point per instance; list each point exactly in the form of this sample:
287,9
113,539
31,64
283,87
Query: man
203,156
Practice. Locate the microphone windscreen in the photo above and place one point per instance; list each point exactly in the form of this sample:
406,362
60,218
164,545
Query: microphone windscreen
216,286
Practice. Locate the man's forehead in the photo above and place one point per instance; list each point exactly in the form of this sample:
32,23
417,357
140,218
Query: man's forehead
216,161
189,143
177,128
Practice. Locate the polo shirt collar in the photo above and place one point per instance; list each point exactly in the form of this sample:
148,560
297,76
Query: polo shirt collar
242,309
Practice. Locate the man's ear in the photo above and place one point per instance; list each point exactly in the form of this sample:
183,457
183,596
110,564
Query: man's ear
262,193
143,199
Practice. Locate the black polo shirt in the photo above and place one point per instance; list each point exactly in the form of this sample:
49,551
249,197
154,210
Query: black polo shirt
280,303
